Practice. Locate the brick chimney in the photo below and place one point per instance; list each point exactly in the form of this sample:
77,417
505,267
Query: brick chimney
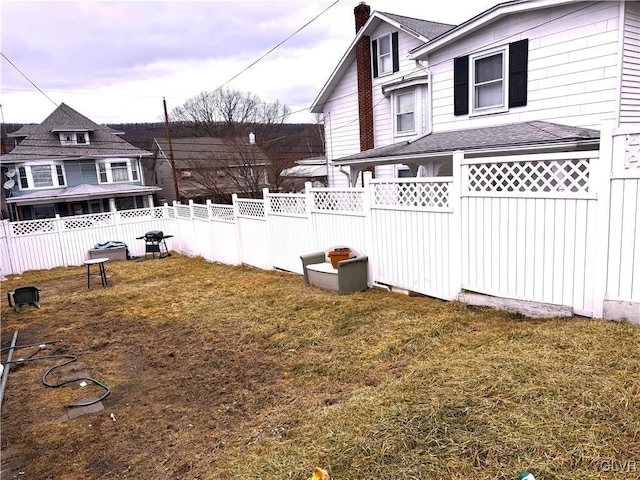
363,64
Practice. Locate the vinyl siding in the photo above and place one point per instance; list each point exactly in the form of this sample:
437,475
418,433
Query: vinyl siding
382,108
630,85
573,73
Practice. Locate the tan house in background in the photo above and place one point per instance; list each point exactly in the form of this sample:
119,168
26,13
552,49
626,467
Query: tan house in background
207,168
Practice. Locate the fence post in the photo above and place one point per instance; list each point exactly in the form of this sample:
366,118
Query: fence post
117,222
308,203
59,229
600,181
236,219
455,227
368,224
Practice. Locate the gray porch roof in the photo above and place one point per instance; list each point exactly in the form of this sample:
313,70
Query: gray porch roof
514,136
82,192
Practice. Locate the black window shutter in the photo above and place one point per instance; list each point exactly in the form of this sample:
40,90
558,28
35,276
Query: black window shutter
374,57
461,85
394,51
518,63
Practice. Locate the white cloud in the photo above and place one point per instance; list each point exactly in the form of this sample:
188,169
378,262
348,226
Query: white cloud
115,61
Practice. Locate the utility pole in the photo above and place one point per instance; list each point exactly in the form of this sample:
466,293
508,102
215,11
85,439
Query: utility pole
171,160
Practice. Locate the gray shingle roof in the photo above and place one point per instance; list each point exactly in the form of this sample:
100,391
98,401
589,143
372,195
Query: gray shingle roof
502,136
191,149
84,191
42,143
423,27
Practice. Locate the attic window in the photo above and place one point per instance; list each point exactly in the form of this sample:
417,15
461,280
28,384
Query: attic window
74,138
384,51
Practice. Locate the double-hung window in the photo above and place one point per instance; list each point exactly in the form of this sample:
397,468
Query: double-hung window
385,54
117,171
489,82
405,115
41,176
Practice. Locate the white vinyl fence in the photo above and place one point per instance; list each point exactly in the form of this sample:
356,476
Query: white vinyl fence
557,229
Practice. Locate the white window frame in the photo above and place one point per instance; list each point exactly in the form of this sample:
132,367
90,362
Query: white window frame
396,113
71,138
53,170
504,107
105,171
379,56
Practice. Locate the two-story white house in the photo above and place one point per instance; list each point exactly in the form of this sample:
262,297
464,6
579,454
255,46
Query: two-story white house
70,165
524,76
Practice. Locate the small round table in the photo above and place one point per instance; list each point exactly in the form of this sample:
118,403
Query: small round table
102,272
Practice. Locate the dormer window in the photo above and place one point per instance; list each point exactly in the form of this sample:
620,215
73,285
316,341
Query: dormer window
74,138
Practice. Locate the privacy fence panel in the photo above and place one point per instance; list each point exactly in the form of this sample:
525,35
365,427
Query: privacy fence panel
338,217
223,234
253,234
411,235
289,230
528,228
623,276
186,238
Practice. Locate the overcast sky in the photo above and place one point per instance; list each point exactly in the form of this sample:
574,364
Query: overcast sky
114,61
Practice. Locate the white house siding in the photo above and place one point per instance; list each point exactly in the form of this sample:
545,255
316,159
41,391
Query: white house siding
382,111
572,77
630,84
342,130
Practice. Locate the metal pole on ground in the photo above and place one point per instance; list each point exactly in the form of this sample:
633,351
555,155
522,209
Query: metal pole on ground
5,371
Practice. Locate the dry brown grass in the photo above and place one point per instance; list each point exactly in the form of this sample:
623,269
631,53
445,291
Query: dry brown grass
222,372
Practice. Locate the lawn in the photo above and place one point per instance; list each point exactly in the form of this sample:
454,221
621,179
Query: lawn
229,372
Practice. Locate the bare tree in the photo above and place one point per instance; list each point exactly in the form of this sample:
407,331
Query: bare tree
244,167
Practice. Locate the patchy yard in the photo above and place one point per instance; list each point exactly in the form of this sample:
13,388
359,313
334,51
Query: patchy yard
222,372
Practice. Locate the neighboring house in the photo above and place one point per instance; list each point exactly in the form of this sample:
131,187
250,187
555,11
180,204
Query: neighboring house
312,169
69,165
521,77
207,168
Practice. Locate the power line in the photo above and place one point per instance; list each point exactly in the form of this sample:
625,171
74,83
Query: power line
180,98
278,45
27,78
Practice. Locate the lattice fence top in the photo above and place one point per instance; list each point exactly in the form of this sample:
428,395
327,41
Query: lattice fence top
632,152
32,226
338,200
201,212
294,204
432,195
539,177
249,208
140,213
222,212
88,221
183,211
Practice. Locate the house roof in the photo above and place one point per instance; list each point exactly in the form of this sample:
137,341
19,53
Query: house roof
482,20
511,136
43,142
82,192
305,171
423,30
190,149
23,131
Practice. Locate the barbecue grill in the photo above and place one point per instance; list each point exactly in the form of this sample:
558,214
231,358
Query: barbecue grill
155,243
